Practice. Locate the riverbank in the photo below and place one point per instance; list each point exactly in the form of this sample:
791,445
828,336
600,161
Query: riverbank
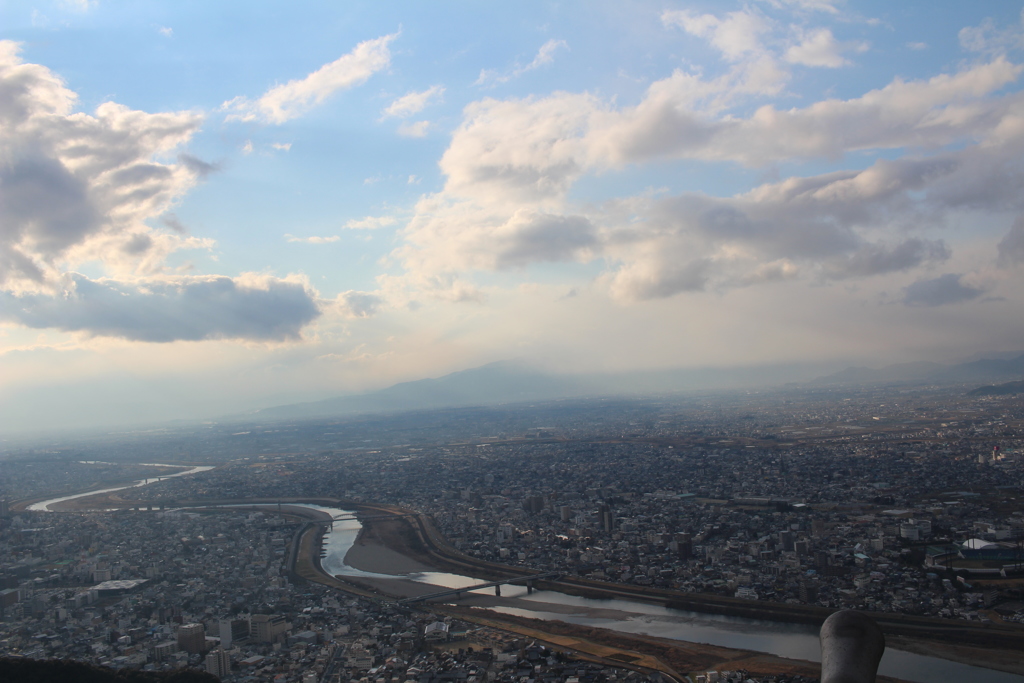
375,553
670,656
1010,661
673,658
988,646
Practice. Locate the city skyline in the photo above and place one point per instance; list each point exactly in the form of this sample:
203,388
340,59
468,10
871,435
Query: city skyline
214,209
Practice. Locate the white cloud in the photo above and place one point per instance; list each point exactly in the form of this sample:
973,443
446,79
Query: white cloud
829,6
370,223
511,150
754,70
820,48
448,236
414,102
247,147
511,164
294,98
534,149
657,273
991,39
490,76
737,36
747,40
314,239
545,55
79,188
917,46
824,227
166,31
916,113
355,304
414,130
281,146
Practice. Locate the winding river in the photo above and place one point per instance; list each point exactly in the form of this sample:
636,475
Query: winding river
44,505
786,640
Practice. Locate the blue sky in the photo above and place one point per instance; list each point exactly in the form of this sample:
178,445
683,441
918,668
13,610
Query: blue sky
211,207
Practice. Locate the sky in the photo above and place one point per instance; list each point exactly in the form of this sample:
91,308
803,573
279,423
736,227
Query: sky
209,208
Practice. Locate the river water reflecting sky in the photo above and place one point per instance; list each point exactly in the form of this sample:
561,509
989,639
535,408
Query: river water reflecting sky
786,640
44,506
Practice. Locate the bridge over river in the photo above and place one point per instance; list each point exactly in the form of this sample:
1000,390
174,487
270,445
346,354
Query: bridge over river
457,592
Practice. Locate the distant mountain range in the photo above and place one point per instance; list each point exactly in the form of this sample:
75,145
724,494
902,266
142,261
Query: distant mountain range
517,382
501,382
974,372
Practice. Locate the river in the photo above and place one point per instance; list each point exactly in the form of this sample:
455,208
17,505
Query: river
44,506
785,640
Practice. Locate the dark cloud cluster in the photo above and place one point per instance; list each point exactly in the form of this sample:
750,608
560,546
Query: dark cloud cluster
198,166
878,259
945,289
529,238
192,309
44,210
78,188
1011,247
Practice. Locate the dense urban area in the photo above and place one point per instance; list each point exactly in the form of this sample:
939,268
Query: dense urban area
896,501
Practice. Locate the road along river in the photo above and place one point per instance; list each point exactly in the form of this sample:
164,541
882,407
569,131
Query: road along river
398,575
45,504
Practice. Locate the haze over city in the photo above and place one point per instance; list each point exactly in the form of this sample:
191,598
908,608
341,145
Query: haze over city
544,342
212,208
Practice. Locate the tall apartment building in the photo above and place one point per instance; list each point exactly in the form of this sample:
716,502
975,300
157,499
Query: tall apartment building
192,638
218,663
232,631
267,628
162,651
